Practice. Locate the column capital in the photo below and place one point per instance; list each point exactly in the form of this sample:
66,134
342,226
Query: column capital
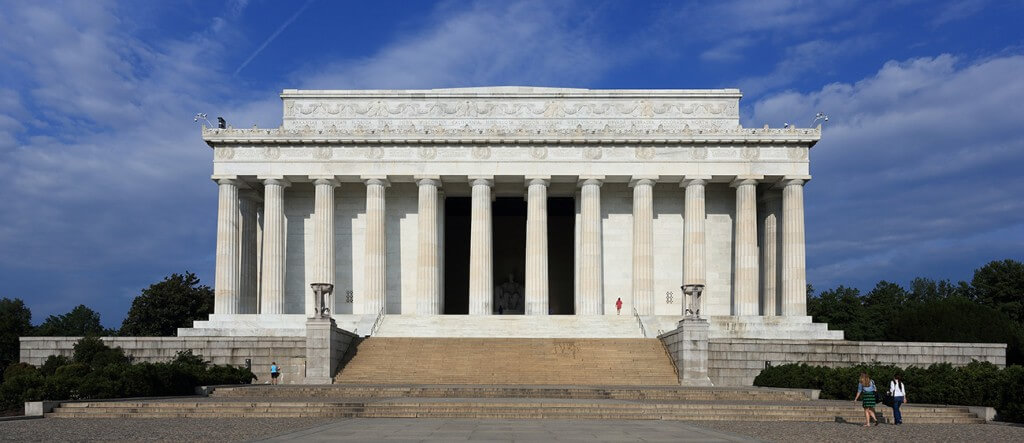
544,180
380,180
792,180
694,180
481,180
431,180
644,180
594,180
746,180
325,180
275,180
225,179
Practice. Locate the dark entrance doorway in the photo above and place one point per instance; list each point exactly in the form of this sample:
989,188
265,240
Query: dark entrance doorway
509,237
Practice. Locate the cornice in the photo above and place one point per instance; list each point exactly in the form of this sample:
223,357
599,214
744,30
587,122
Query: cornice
281,137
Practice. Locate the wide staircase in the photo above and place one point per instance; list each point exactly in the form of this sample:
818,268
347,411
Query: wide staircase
491,378
505,402
510,361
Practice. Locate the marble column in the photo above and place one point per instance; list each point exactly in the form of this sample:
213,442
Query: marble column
694,271
428,270
643,244
794,272
537,246
226,274
481,252
772,204
591,290
248,255
745,267
274,236
375,255
323,233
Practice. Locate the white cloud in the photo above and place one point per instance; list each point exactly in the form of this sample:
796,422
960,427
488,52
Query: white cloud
525,43
922,155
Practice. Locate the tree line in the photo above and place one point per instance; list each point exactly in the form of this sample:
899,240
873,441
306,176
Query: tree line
159,310
988,309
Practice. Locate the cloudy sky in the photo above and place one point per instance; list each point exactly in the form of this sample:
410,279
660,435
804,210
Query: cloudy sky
104,179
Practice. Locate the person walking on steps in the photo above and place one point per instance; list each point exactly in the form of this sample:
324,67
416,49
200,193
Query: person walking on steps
866,392
899,396
274,372
618,306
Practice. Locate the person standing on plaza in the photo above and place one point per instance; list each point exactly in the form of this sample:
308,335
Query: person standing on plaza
899,396
618,306
274,372
866,392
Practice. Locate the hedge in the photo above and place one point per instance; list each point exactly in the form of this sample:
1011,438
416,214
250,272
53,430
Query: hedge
97,371
977,384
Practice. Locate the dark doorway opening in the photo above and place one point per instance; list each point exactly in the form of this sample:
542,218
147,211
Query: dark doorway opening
561,253
509,241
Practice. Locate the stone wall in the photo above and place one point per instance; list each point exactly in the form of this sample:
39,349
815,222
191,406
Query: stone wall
735,362
288,352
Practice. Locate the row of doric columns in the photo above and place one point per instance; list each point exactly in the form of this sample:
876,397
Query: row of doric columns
756,270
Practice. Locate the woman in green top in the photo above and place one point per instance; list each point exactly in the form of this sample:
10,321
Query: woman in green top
866,389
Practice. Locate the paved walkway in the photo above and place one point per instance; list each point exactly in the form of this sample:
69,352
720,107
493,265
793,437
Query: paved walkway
427,430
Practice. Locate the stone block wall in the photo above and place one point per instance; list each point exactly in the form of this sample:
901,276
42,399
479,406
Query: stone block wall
735,362
288,352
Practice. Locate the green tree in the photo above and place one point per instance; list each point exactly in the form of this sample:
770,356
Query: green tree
958,320
15,321
1000,284
842,309
173,303
81,321
926,289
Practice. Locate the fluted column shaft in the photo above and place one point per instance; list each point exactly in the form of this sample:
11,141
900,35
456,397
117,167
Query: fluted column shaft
323,234
226,276
272,281
537,247
375,255
643,246
745,268
481,252
428,270
794,272
248,256
694,271
591,291
769,252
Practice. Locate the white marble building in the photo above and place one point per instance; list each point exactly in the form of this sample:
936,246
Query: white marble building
511,211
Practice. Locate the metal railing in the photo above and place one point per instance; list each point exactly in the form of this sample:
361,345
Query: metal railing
640,322
377,322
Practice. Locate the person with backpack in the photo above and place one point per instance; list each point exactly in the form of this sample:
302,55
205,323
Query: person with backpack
866,391
899,396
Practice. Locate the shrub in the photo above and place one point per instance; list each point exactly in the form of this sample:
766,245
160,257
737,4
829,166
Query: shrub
98,371
977,384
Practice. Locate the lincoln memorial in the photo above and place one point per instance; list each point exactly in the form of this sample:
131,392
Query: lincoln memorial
512,201
489,236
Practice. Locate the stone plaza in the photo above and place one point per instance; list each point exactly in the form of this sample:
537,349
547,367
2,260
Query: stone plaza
513,214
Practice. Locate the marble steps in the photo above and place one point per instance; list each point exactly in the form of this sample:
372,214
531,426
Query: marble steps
511,326
510,361
605,392
504,409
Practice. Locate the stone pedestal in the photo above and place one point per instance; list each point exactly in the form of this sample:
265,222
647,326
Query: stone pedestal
325,347
688,347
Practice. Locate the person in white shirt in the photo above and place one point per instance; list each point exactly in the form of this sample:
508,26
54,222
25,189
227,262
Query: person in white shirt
899,396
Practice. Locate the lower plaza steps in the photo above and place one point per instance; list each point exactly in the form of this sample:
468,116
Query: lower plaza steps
481,378
510,361
502,402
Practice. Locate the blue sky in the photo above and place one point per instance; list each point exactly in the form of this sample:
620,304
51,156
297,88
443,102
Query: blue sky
104,180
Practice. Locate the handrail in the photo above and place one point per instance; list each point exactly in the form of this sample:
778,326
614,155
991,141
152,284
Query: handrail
377,321
640,322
